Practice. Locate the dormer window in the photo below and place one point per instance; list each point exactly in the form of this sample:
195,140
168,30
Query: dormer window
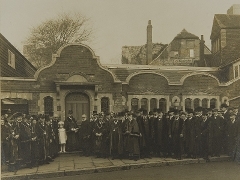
11,59
236,70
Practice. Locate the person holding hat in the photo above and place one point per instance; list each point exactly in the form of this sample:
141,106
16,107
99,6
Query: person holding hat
71,128
85,135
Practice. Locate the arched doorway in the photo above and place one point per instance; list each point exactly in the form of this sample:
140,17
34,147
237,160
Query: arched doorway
79,104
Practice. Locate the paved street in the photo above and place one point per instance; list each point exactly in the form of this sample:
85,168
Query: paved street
207,171
68,165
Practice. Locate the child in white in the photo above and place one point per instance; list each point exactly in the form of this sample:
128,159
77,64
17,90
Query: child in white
62,136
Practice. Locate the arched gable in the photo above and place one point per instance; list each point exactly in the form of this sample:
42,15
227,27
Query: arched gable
90,54
199,73
145,72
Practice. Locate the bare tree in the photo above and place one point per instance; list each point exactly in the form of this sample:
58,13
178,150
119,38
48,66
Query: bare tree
50,35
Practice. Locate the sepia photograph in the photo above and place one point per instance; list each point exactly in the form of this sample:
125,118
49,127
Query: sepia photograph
120,89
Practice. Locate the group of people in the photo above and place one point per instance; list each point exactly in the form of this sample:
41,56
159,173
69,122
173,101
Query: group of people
35,140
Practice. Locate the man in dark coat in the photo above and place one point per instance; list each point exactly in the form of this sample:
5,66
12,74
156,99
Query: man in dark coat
196,133
205,136
187,133
25,140
134,134
226,119
34,142
177,135
151,121
41,132
159,128
84,135
116,139
55,140
71,129
4,142
231,134
170,119
14,141
215,134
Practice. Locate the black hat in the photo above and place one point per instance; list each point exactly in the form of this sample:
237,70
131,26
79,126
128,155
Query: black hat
70,111
176,112
151,113
145,112
224,105
41,116
190,111
198,109
94,112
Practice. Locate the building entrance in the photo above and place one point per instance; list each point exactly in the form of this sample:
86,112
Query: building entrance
79,104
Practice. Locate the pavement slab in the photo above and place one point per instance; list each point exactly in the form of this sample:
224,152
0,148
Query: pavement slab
27,171
84,165
103,164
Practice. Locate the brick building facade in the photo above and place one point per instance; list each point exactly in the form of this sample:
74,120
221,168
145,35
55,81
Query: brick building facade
75,79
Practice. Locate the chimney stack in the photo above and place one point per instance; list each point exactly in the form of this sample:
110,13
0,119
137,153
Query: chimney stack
201,55
149,43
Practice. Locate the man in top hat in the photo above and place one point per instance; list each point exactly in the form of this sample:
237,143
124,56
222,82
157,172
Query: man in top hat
54,120
71,129
226,119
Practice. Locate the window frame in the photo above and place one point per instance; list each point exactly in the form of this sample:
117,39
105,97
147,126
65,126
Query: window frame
236,65
11,59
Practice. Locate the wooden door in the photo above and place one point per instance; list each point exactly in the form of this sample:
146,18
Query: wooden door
79,104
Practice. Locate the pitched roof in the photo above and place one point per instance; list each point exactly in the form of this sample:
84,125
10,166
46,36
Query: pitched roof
228,21
184,34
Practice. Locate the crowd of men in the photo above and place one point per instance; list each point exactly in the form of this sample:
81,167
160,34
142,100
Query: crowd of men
33,140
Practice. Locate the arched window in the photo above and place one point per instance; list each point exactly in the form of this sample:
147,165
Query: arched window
196,103
48,105
105,105
205,103
163,105
144,103
213,103
188,104
134,104
153,104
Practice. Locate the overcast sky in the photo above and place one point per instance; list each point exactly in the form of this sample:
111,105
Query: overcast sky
116,22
